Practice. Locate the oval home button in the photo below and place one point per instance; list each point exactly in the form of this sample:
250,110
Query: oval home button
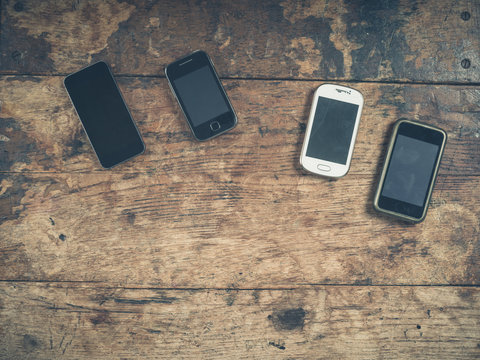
322,167
214,125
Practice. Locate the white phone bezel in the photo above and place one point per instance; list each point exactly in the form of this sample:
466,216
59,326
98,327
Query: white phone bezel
335,92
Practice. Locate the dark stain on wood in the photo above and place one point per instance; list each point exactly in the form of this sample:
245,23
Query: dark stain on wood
473,260
130,176
230,299
102,317
19,51
309,34
11,200
131,218
24,78
232,295
367,281
377,26
400,249
256,296
17,145
393,96
467,294
76,146
290,319
153,300
380,40
278,345
263,130
29,342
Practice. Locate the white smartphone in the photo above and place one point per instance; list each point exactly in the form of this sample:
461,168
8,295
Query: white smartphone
331,130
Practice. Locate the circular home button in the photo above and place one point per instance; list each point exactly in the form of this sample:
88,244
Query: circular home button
214,125
322,167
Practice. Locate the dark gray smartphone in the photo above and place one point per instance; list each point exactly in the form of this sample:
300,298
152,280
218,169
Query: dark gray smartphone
104,114
410,170
201,96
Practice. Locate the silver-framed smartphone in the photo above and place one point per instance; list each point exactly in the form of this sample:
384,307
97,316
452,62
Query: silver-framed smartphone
331,130
201,96
411,166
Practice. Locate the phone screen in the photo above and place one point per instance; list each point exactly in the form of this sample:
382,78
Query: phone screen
410,170
332,130
202,98
104,114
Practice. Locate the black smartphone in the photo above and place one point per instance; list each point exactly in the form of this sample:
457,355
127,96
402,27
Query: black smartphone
410,170
201,96
104,114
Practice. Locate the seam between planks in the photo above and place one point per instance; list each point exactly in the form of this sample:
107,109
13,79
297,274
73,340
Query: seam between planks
104,284
380,82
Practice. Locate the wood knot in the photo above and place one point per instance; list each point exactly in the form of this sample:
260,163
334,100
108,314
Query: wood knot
465,63
465,16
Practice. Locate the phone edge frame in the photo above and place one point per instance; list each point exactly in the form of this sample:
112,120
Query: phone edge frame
126,106
235,117
387,162
303,153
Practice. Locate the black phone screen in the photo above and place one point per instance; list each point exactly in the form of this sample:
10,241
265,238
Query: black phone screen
332,130
410,170
202,97
104,114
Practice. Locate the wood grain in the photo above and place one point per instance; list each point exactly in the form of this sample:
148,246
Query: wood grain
366,40
220,229
45,321
227,249
41,132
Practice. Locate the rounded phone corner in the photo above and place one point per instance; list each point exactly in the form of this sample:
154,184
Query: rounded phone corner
304,165
199,139
143,149
65,79
341,175
102,63
200,51
105,166
445,135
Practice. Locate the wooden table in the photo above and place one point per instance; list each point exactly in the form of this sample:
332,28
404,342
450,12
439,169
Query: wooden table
226,249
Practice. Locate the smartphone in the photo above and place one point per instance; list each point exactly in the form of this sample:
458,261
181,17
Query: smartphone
104,114
201,96
410,170
331,130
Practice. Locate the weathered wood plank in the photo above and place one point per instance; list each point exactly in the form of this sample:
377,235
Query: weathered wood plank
361,40
45,321
40,131
220,230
